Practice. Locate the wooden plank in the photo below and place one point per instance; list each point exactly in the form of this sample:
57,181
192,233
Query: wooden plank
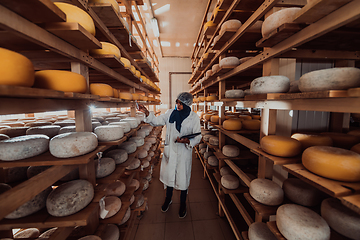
110,60
80,96
241,139
315,10
46,159
243,176
224,37
273,228
263,96
245,235
15,91
263,210
119,171
237,132
279,34
209,31
36,11
331,187
291,3
240,189
242,209
108,15
61,233
352,202
74,34
319,94
249,5
20,194
353,92
117,218
114,143
275,159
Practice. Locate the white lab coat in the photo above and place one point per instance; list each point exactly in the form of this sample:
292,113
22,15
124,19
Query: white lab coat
176,162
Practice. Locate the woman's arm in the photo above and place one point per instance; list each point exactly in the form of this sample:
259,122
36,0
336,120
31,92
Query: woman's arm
151,118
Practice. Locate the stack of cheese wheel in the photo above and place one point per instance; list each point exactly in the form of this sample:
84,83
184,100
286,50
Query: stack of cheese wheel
15,69
302,193
230,151
340,218
342,140
280,146
277,19
266,192
235,93
61,81
107,49
309,140
330,79
232,124
101,89
229,62
75,14
230,25
334,163
270,84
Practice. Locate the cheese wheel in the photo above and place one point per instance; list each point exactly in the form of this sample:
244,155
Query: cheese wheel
235,93
34,205
38,124
151,153
145,184
202,99
215,68
229,62
129,147
208,116
140,201
216,38
334,163
214,141
132,121
214,119
207,137
147,146
209,24
101,89
22,147
302,193
75,14
138,140
126,62
245,59
104,167
202,145
309,140
16,69
277,19
49,131
133,164
65,123
73,144
119,155
266,192
4,187
69,198
126,216
256,27
109,133
123,115
253,125
213,161
141,133
135,183
28,233
14,131
107,49
340,218
356,148
342,140
226,171
230,25
230,181
142,153
208,154
294,87
245,117
67,129
208,73
298,222
125,125
111,232
280,146
330,79
260,231
230,151
95,125
115,189
125,96
211,98
90,237
232,124
113,119
48,233
355,132
270,84
145,163
133,69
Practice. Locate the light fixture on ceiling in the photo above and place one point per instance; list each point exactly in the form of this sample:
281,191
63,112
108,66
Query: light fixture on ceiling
155,26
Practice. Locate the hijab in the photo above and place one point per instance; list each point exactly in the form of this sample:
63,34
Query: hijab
179,116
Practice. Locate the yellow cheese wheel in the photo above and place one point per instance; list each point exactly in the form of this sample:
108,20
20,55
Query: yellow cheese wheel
101,89
138,74
107,49
135,96
251,124
202,99
114,3
245,117
75,14
232,124
116,93
342,140
126,62
214,119
309,140
355,132
280,146
15,69
231,116
133,69
61,81
125,95
207,117
209,24
334,163
257,117
211,98
356,148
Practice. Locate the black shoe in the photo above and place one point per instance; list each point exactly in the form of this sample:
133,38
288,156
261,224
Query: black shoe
166,205
182,210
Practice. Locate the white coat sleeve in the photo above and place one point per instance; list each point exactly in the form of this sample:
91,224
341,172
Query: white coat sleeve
157,121
197,128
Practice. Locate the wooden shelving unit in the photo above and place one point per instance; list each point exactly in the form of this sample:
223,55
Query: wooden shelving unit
319,28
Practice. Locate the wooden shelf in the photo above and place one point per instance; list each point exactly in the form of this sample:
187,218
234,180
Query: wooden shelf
245,235
46,159
108,15
263,210
240,189
243,176
331,187
237,132
114,143
273,228
277,160
352,202
119,171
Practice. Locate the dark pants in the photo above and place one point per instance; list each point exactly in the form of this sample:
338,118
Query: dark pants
169,193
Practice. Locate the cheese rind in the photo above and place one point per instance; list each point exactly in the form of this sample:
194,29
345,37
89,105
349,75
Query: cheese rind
50,131
230,181
302,193
230,151
356,148
111,232
104,167
213,161
112,205
342,140
280,146
126,216
266,192
235,93
229,62
277,19
298,222
129,147
230,25
334,163
27,233
101,89
260,231
309,140
214,141
270,84
115,189
107,49
109,133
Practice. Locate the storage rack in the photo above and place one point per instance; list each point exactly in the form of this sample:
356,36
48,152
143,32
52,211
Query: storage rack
319,28
37,29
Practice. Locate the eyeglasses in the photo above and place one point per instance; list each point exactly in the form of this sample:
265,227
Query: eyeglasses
178,102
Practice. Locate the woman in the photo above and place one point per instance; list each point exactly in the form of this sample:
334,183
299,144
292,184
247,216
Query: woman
176,162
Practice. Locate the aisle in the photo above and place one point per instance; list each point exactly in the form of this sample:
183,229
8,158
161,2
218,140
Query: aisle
201,222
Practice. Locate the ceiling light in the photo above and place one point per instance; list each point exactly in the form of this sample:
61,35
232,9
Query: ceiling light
155,27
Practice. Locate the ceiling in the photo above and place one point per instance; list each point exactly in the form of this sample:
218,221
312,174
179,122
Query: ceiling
179,23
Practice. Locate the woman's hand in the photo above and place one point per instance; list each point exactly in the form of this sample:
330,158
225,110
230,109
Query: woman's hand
182,140
143,109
